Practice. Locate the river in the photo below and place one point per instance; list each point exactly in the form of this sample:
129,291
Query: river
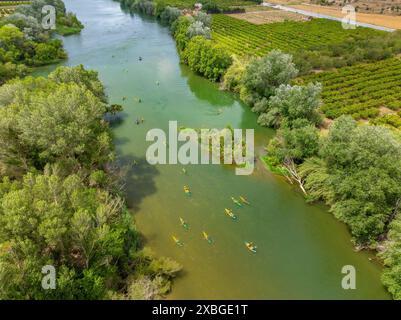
301,247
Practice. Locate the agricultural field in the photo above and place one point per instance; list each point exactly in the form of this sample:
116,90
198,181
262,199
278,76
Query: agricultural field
268,16
380,13
7,7
12,3
365,91
244,38
388,7
5,12
221,3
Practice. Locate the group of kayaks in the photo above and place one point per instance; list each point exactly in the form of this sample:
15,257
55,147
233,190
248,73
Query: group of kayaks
185,225
242,200
229,212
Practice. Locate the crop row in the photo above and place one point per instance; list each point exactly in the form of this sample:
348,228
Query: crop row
5,11
224,3
12,3
361,90
244,38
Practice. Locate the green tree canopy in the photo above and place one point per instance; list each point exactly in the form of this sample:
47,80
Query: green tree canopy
290,103
264,75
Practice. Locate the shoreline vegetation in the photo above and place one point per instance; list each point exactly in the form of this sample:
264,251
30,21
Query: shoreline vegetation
25,44
61,199
353,167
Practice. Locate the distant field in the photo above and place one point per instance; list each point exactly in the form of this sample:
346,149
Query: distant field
364,91
12,3
8,7
244,38
372,18
366,10
268,16
224,3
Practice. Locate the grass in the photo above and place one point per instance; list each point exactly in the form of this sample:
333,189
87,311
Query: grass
67,31
273,168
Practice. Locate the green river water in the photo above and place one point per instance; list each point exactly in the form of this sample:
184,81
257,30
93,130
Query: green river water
301,247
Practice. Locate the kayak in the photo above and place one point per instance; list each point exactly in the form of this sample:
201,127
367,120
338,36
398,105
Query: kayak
177,241
230,213
184,171
251,246
206,237
236,202
183,223
244,200
187,191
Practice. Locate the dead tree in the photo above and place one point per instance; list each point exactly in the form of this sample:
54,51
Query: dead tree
294,175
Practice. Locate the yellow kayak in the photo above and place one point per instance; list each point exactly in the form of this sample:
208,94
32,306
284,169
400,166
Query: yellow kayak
251,246
187,191
183,223
177,241
244,200
206,237
236,202
230,213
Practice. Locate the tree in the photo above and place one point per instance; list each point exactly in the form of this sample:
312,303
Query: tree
264,75
46,121
170,15
298,143
197,28
11,44
232,79
204,57
391,256
290,103
29,25
179,29
360,179
205,18
49,220
291,146
78,75
60,207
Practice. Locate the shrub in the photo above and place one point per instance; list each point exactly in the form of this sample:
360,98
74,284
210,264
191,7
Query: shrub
206,58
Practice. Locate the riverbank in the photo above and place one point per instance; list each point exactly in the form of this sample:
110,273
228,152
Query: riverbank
301,247
292,164
83,232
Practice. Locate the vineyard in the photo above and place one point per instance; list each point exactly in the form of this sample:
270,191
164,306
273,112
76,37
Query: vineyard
244,38
188,4
5,12
12,3
363,91
7,7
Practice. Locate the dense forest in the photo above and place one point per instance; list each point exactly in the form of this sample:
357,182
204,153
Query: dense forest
61,201
26,44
